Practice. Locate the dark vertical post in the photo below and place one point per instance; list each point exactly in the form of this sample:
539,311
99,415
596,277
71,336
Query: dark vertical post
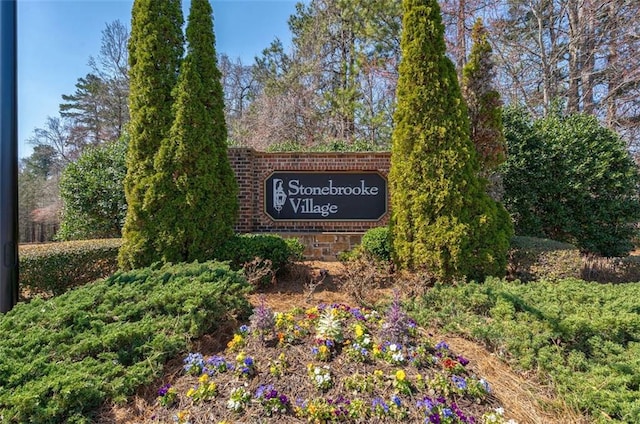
8,156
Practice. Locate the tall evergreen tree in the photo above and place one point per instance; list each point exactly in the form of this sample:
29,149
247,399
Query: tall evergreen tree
194,187
483,101
155,51
86,108
485,108
442,219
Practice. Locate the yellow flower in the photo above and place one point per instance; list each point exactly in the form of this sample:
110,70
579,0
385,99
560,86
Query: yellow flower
378,373
190,393
182,416
203,378
359,331
400,375
237,341
240,357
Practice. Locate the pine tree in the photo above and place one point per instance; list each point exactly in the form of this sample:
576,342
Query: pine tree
194,186
442,220
485,109
155,51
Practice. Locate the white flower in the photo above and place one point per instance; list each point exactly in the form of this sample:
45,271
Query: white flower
397,357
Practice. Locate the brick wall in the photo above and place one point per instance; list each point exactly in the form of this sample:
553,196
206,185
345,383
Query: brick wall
252,168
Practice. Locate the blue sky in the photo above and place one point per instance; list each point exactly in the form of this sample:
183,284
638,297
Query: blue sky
57,37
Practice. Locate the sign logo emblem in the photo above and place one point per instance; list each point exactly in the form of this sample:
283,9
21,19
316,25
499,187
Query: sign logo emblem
279,196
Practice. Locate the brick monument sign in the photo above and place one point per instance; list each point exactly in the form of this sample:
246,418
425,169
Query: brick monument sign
326,200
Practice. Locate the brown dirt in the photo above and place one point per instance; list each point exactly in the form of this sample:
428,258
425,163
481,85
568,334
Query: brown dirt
311,283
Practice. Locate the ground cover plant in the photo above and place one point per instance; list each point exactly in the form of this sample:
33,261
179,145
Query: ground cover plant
61,358
328,363
582,337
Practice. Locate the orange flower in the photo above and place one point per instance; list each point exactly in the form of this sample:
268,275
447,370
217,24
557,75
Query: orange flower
449,363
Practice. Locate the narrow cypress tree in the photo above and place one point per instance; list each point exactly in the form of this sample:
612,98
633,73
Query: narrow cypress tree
156,47
485,108
194,186
442,220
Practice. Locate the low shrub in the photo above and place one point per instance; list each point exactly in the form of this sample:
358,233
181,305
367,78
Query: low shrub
61,358
611,270
244,248
53,268
533,258
377,242
582,337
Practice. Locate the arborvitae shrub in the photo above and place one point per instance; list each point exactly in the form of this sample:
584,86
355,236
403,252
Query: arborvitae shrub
442,219
194,191
155,51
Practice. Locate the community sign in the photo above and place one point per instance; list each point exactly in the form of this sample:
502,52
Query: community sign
325,196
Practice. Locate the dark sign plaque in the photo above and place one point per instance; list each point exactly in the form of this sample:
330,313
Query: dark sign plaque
325,196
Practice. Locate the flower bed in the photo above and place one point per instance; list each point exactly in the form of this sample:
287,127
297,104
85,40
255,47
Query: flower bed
330,363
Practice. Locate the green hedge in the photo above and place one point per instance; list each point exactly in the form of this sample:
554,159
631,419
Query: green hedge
53,268
62,358
246,247
533,258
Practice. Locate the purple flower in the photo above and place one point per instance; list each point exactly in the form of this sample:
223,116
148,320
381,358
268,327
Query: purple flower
260,391
378,402
463,418
442,345
283,399
425,403
463,361
459,382
357,314
194,361
162,391
397,401
248,361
